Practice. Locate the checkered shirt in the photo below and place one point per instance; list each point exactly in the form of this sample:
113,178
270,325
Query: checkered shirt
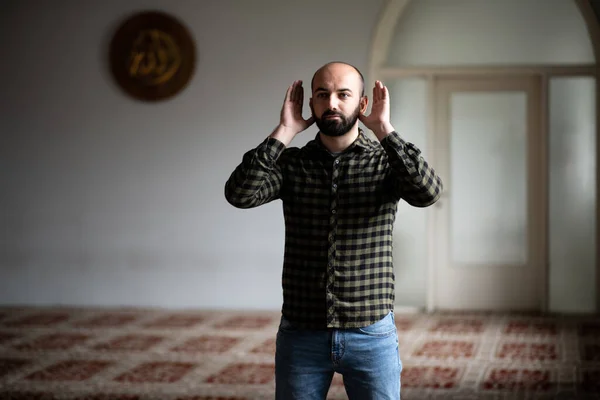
339,213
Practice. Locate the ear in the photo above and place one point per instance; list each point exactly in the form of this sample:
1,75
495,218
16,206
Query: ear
364,102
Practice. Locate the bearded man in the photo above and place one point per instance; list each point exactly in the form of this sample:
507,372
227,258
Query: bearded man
340,194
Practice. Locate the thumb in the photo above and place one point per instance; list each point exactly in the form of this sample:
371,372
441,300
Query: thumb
310,121
362,116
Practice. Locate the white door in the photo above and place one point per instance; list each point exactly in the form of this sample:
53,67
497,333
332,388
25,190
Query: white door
489,225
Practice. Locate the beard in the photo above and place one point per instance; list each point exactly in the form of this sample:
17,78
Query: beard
337,127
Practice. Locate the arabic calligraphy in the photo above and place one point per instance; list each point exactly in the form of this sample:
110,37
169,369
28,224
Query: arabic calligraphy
155,57
152,55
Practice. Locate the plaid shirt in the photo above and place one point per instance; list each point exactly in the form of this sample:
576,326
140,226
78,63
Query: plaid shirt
339,213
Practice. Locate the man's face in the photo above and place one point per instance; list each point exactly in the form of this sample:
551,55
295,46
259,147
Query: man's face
337,101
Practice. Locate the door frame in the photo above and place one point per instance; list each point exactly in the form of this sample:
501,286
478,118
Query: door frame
543,74
439,141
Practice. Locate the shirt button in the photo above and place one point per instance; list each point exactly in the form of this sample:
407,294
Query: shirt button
333,211
337,161
335,186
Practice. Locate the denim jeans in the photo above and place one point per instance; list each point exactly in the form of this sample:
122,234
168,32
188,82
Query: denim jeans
367,358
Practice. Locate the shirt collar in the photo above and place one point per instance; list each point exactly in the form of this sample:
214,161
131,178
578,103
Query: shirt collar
361,143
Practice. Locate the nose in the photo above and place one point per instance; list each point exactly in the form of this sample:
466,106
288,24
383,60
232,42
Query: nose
333,103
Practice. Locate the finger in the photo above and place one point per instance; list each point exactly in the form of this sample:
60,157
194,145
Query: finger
288,93
293,93
309,121
375,92
384,92
379,90
300,93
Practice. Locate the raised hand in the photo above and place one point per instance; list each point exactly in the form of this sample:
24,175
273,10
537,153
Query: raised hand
291,112
291,120
379,119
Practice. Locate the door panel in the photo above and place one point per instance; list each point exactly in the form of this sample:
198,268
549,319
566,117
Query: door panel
490,239
572,235
487,227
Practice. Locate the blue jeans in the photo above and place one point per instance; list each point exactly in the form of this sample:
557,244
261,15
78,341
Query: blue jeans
367,358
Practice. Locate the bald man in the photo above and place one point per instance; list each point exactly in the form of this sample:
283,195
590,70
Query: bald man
340,194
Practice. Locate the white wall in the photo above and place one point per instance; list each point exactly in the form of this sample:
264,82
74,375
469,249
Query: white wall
105,200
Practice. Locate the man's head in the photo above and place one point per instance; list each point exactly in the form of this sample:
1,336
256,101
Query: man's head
337,98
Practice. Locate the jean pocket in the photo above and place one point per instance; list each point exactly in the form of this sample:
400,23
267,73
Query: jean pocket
384,327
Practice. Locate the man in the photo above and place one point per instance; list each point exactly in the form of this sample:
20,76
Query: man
340,194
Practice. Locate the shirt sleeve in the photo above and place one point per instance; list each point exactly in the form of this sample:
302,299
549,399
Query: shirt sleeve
258,178
412,179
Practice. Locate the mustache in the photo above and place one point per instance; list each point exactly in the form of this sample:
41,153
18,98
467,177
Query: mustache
331,113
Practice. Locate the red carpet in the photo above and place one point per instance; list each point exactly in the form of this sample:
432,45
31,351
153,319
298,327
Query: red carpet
139,354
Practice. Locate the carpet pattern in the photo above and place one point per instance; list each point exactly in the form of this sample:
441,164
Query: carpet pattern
150,354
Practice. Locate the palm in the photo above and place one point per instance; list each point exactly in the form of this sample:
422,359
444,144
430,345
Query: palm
291,112
380,110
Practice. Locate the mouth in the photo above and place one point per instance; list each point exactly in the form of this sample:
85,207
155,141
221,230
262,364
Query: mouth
332,117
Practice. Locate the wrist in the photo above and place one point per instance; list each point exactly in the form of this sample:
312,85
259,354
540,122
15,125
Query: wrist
383,130
283,134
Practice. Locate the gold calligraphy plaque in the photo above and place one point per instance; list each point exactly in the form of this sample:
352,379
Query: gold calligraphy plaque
152,56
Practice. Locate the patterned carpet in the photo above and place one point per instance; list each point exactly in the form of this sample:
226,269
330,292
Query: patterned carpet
139,354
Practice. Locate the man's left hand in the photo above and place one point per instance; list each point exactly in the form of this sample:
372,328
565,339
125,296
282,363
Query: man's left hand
379,119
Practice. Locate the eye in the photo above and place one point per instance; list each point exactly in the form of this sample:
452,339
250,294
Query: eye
322,95
344,95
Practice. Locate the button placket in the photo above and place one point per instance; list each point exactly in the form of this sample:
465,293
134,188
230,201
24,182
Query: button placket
331,254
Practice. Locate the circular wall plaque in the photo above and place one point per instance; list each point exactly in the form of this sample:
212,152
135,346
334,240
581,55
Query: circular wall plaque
152,56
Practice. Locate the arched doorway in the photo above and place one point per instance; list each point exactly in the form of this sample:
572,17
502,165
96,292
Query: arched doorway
501,98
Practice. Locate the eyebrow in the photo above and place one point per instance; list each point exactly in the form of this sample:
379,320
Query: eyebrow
322,89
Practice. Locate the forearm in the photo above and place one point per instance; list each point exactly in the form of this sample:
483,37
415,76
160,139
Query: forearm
283,134
413,179
383,130
257,179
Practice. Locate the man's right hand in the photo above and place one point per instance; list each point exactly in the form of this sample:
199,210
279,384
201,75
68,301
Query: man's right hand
291,121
